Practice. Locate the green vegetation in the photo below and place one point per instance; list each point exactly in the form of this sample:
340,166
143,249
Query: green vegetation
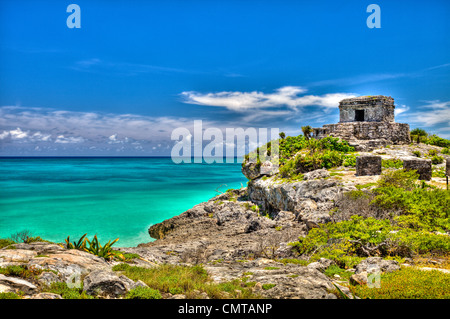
307,130
418,135
143,293
25,272
398,218
25,236
176,279
417,153
268,286
94,247
313,154
336,270
437,160
408,283
6,242
438,172
9,295
391,163
61,288
437,141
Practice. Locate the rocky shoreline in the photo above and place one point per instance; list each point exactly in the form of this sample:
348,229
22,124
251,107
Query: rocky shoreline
238,235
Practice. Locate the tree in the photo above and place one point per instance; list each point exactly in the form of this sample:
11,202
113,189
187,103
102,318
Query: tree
307,130
282,135
417,133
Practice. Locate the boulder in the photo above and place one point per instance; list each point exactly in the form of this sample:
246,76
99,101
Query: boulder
105,282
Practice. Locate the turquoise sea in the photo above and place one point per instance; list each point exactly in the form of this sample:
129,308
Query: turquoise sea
110,197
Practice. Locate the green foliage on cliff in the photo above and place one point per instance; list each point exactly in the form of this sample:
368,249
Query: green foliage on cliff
299,155
416,215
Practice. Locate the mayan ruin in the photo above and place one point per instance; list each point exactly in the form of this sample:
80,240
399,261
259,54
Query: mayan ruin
367,122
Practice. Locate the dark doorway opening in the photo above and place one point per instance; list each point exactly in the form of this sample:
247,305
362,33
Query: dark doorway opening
359,115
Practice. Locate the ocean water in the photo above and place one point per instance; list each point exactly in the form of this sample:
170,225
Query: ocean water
111,197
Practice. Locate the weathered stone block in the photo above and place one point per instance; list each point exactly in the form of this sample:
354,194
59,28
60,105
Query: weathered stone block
368,165
422,166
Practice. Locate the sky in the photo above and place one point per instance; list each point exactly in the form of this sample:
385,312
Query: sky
137,70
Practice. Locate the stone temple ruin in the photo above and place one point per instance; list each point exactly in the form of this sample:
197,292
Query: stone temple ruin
366,122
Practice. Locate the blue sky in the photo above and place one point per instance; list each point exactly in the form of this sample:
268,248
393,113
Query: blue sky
136,70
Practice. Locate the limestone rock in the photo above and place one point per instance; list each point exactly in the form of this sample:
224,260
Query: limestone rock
376,264
46,295
17,284
104,282
358,279
319,173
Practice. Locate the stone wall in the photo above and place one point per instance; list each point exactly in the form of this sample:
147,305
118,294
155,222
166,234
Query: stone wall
366,135
376,109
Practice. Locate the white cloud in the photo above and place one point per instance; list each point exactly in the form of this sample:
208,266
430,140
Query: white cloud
434,113
24,136
61,139
287,96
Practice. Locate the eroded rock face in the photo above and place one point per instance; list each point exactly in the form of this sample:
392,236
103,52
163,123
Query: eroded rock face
277,281
309,200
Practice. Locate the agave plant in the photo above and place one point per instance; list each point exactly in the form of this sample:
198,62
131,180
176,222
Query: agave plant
101,251
81,244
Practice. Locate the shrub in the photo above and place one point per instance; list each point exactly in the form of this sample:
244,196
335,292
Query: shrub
6,242
61,288
408,283
391,163
446,151
417,153
9,295
405,179
349,160
437,141
432,152
143,293
25,236
94,247
437,159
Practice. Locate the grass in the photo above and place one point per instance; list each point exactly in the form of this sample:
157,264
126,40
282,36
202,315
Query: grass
408,283
336,270
9,295
61,288
186,280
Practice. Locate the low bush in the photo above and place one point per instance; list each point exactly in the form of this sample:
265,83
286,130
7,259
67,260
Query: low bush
143,293
184,279
61,288
408,283
391,163
436,159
